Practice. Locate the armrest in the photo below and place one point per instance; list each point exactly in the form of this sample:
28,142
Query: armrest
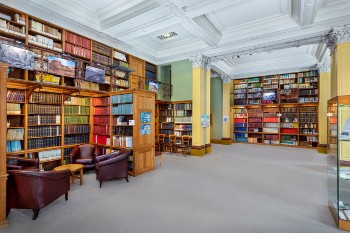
26,162
105,157
51,175
13,167
114,160
73,154
97,150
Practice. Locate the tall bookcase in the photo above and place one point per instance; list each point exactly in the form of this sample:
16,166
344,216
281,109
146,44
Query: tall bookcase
279,109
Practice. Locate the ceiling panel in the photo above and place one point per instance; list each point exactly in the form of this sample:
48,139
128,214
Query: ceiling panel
245,12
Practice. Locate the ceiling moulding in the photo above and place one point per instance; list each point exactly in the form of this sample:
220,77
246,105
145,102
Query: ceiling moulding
61,21
208,6
129,14
218,70
274,71
338,35
209,28
304,11
116,7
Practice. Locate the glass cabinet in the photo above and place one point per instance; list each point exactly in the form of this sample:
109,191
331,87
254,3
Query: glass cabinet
339,160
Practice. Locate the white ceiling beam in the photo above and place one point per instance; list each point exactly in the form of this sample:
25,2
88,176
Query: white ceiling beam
129,14
304,11
207,6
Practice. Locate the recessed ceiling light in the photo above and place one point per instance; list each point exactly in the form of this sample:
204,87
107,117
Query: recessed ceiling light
167,35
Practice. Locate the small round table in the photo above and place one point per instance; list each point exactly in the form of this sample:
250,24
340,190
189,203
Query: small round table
73,168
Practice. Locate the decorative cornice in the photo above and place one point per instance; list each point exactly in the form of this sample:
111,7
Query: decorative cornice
337,35
325,66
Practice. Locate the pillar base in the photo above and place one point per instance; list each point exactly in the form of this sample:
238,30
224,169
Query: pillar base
322,148
207,148
198,150
215,141
3,220
226,141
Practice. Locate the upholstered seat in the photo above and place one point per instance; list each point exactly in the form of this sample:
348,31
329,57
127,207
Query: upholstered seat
85,155
18,163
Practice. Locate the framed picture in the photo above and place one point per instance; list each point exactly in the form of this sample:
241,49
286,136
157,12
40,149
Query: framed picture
17,57
145,117
95,75
61,66
153,87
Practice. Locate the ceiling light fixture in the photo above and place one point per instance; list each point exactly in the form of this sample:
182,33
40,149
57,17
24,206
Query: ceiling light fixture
269,51
237,56
167,35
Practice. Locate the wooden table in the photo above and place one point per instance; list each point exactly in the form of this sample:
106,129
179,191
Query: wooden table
73,168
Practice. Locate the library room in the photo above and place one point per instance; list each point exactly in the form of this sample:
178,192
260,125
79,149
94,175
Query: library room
175,116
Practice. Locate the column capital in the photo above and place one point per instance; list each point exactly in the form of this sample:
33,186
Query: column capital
337,35
225,78
200,61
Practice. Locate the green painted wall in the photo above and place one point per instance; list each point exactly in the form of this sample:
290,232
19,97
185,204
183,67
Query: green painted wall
216,108
181,79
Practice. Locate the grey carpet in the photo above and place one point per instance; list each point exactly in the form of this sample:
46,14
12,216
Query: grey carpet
237,188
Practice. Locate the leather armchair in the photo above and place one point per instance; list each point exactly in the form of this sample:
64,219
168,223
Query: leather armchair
36,189
85,155
112,166
18,163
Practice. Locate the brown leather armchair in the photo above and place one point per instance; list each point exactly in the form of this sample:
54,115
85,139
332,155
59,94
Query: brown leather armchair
18,163
112,166
85,155
36,189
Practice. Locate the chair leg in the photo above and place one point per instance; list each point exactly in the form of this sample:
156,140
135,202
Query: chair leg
160,160
36,214
8,212
127,179
66,196
100,183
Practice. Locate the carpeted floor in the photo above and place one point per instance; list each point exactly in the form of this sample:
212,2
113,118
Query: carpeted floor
237,188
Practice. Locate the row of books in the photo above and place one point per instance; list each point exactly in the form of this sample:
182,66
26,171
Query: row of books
167,132
102,110
122,141
76,129
120,56
15,96
15,134
76,110
166,125
44,119
120,74
183,106
36,143
100,101
102,49
308,131
76,139
49,98
77,101
76,50
126,98
46,44
183,127
103,120
47,78
183,119
151,67
122,130
13,108
44,131
78,40
49,155
101,59
122,109
121,120
10,28
308,125
12,146
44,109
45,29
182,133
76,120
101,139
121,63
151,75
270,130
183,113
121,82
101,129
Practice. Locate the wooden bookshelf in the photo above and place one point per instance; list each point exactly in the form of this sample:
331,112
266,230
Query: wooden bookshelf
287,114
77,45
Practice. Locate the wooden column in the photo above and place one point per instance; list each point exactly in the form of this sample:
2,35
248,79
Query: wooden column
226,126
3,130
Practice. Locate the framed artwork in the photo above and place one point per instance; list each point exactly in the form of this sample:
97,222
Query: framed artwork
95,75
61,66
17,57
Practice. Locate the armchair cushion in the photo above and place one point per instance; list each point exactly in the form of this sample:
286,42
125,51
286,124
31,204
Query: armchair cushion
18,163
85,154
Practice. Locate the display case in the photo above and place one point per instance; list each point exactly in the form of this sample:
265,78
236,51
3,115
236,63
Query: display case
339,160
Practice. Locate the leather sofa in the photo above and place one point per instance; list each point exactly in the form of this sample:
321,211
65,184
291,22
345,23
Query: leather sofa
35,189
85,154
19,163
112,166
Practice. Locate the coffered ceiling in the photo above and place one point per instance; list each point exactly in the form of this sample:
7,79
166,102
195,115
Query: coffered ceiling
279,34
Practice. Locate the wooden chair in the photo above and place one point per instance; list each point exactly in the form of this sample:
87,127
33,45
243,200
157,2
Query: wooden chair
169,146
184,146
160,141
